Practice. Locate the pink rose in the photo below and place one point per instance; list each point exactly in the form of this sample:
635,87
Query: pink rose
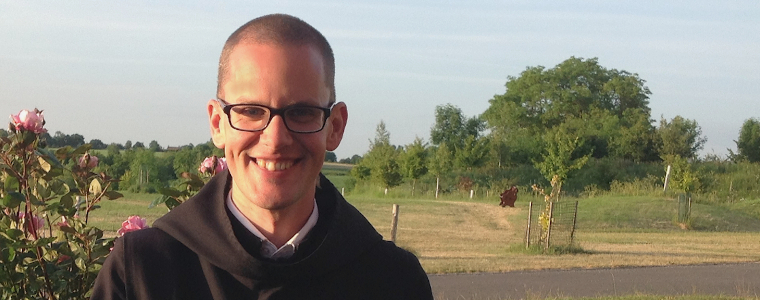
88,161
213,165
29,120
221,165
133,223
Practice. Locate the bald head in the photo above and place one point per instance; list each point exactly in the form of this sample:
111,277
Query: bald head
280,30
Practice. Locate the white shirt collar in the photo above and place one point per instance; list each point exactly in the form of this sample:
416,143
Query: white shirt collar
268,249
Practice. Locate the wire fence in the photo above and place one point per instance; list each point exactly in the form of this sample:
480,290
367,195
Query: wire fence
555,230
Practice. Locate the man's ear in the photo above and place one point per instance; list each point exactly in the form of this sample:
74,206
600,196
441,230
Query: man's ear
215,118
337,120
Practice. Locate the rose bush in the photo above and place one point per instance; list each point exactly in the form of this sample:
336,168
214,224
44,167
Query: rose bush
192,183
40,259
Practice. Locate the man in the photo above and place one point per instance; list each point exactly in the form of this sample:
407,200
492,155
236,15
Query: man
271,227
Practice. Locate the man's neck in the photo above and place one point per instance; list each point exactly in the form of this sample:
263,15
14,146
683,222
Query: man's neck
278,226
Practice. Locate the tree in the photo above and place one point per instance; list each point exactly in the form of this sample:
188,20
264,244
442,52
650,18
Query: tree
541,99
461,135
472,153
414,161
128,145
97,144
354,159
748,143
440,163
154,146
380,160
560,157
682,137
330,156
636,138
139,145
452,127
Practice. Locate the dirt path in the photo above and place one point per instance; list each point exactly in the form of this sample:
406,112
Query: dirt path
741,280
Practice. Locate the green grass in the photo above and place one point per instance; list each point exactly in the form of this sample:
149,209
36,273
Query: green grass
640,213
112,212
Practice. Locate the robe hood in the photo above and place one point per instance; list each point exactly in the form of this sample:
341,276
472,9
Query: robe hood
203,225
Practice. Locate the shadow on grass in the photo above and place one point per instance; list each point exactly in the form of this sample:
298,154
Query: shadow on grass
553,250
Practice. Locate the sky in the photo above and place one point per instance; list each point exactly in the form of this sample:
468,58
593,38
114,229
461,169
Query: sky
144,70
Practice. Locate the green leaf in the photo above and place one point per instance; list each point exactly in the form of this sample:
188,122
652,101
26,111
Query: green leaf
67,201
59,187
158,201
14,233
13,199
11,253
171,192
49,157
113,195
44,164
35,201
80,263
68,229
81,150
62,153
95,187
11,183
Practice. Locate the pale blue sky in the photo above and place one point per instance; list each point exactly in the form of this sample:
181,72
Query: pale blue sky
141,71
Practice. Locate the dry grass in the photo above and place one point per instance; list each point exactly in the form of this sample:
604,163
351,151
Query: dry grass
462,236
470,236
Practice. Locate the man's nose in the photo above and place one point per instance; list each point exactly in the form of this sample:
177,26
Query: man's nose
276,134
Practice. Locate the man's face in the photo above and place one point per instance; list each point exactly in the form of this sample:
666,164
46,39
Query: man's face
275,168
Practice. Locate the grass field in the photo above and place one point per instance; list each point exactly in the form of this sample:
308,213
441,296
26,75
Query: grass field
479,236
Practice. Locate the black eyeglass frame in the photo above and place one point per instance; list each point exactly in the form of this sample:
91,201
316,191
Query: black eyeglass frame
226,108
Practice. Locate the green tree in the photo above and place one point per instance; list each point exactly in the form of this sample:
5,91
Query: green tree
682,178
561,156
330,156
462,136
354,159
414,161
97,144
440,163
680,136
541,99
381,160
748,143
154,146
472,153
636,138
128,145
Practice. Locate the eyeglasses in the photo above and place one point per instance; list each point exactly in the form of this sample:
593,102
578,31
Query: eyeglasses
297,118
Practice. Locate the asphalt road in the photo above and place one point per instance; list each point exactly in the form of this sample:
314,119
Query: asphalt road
724,279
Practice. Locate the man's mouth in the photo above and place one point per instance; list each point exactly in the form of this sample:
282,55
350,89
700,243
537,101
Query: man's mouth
272,165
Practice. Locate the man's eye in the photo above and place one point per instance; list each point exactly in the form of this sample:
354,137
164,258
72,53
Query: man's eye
302,114
251,111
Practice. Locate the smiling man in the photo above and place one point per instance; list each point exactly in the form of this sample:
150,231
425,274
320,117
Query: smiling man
272,227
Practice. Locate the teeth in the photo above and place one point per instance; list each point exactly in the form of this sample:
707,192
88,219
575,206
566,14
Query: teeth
274,166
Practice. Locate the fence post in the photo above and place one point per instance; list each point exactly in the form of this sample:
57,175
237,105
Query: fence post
527,228
575,217
394,223
667,178
437,180
549,227
342,191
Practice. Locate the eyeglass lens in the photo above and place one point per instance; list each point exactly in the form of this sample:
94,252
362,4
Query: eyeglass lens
298,119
